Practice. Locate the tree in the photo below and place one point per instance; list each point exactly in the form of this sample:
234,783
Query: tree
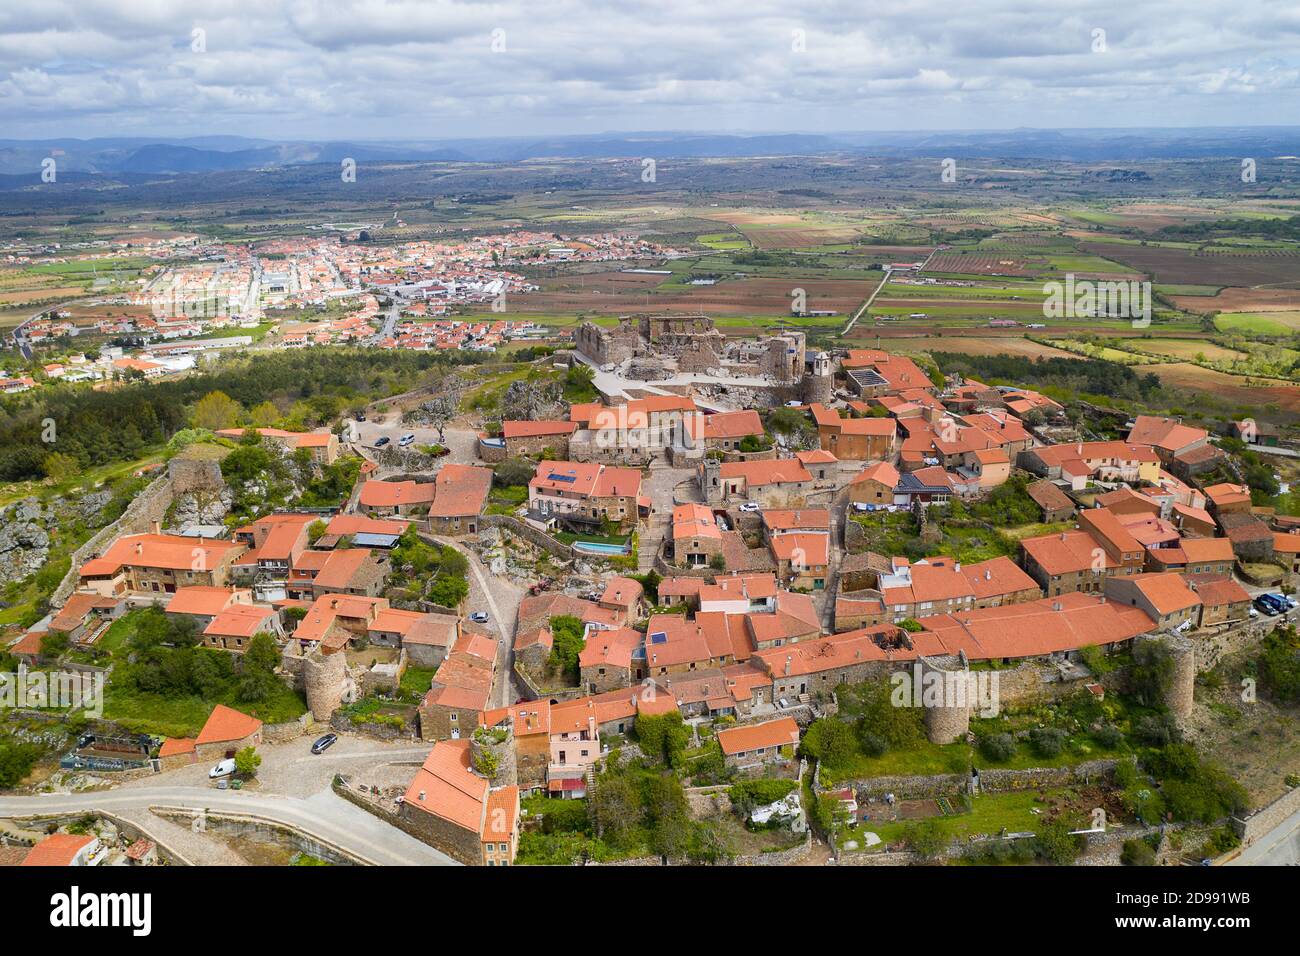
54,644
926,839
247,761
16,761
315,530
439,412
999,748
830,741
566,644
1152,672
216,410
512,472
614,809
263,415
1057,844
59,467
663,737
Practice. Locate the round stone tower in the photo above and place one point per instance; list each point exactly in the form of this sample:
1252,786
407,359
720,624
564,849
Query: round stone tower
324,677
946,697
494,747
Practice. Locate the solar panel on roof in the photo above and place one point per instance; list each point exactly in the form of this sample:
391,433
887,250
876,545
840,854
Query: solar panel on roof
558,477
659,637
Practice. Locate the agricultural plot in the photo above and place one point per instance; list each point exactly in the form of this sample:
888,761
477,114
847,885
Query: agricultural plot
984,264
1239,300
1244,267
1267,399
1259,323
1189,349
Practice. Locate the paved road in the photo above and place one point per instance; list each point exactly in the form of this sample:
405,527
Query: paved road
500,598
323,815
866,305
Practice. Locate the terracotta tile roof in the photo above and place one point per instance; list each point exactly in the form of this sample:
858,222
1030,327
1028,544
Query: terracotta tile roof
58,849
1167,592
203,600
242,620
760,473
225,724
390,494
500,815
775,733
342,524
460,491
1226,493
998,576
532,429
613,648
1217,591
733,424
78,607
694,521
680,586
1165,433
624,592
1286,542
806,519
802,550
881,471
176,745
342,567
172,552
1207,549
446,787
1067,552
816,457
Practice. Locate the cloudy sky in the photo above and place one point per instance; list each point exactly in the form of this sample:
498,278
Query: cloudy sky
432,69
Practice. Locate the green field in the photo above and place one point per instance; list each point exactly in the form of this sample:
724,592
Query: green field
1258,323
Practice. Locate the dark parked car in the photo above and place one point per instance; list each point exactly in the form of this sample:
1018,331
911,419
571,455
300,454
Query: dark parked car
1268,607
382,441
324,743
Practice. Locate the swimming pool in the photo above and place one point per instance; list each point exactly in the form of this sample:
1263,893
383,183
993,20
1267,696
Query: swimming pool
596,547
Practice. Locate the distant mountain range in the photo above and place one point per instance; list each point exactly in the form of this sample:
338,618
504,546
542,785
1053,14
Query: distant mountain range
128,156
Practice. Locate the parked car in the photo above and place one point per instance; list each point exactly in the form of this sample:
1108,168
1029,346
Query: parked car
324,743
361,418
479,617
408,439
794,403
1266,605
1283,599
223,769
751,506
1277,601
382,441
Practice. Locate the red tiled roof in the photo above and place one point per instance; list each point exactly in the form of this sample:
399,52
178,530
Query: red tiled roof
225,724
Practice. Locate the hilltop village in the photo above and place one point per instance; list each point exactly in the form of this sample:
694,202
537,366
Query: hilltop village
708,565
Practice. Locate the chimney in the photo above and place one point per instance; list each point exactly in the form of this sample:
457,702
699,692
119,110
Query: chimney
957,567
156,527
139,547
787,665
1056,605
988,575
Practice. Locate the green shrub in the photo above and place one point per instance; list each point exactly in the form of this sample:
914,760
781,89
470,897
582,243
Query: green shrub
998,748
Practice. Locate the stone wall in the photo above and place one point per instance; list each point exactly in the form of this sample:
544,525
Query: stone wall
289,730
530,534
261,829
991,781
147,507
1254,826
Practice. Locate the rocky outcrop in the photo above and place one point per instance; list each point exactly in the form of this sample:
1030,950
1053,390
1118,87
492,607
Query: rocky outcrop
24,542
